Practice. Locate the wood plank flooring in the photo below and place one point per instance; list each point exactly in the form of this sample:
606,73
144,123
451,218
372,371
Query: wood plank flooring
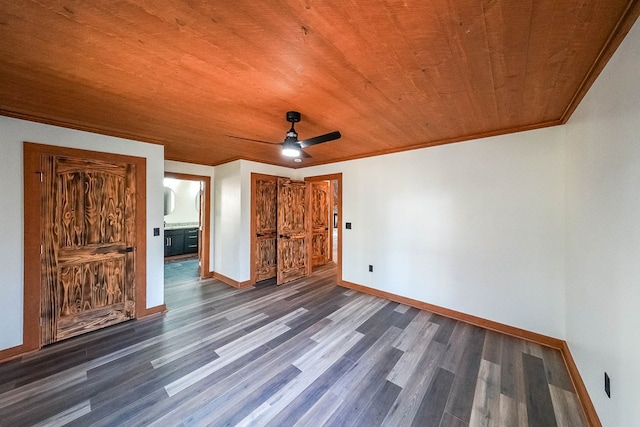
308,353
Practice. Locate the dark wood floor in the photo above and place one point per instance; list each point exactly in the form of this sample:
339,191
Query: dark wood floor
308,353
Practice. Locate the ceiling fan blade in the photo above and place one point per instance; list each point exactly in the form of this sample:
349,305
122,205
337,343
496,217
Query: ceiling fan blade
319,139
254,140
304,155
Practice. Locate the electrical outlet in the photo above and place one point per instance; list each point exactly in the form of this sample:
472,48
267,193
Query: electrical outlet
347,225
371,268
156,231
607,385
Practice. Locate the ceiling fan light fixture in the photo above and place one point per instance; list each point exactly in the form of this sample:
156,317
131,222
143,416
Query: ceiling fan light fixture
291,146
290,149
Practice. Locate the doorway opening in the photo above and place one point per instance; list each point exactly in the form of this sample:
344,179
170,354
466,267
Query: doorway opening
280,229
334,181
322,230
186,226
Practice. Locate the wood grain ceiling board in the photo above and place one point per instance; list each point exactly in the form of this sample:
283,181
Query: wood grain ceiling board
390,75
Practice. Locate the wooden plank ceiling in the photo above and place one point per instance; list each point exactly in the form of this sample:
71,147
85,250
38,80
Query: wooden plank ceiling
390,75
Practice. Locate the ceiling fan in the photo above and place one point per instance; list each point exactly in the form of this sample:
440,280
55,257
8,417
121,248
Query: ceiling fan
291,147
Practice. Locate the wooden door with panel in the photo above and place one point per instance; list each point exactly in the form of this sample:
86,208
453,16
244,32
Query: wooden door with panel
266,218
320,225
88,245
294,251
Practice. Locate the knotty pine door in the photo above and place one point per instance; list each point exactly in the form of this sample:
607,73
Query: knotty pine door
293,230
320,225
88,245
265,192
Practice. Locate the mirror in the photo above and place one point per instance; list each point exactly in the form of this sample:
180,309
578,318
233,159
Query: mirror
169,200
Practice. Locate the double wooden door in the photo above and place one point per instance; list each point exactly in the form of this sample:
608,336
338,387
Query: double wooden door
282,231
88,245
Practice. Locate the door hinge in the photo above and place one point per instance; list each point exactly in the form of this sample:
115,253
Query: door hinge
41,321
41,249
41,176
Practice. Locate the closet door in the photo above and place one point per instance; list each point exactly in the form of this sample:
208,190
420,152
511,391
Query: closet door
320,230
266,216
293,230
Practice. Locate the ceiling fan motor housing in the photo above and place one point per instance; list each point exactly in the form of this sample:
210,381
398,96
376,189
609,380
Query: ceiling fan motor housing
293,116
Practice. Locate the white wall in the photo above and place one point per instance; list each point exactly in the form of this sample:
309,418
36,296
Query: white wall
227,214
202,170
13,133
603,236
475,226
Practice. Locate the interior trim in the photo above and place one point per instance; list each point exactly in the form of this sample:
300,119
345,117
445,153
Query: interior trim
463,317
232,282
581,389
623,26
558,344
12,353
162,308
142,138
